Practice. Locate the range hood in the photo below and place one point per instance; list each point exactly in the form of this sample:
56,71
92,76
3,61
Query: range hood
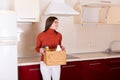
58,7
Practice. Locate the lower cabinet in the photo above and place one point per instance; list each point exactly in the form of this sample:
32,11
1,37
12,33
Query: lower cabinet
101,69
30,72
93,70
114,68
71,71
98,69
85,70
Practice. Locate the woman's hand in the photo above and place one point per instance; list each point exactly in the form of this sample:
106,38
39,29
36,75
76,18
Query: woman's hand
42,51
62,47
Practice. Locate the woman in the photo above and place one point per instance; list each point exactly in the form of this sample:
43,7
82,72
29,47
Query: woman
51,38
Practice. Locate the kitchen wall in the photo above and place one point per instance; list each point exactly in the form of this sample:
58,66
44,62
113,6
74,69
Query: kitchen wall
77,38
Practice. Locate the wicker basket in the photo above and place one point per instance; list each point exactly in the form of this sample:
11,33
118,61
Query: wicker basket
55,58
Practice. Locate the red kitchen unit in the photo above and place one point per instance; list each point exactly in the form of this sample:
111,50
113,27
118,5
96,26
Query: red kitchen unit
29,72
94,70
114,68
71,71
97,69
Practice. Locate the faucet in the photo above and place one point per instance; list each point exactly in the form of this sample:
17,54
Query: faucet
110,45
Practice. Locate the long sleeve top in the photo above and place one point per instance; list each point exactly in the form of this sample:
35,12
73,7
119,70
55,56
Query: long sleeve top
50,38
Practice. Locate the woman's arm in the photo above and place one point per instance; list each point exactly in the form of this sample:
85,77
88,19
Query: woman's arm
38,48
60,42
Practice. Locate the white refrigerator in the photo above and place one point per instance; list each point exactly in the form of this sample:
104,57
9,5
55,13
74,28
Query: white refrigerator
8,46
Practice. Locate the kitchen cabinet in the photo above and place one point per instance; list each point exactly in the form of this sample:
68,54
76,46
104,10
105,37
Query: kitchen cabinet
114,68
70,71
97,69
99,1
91,14
115,1
29,72
113,16
32,72
94,70
101,69
27,10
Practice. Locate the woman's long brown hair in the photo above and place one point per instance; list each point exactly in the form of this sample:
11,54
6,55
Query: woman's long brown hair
49,22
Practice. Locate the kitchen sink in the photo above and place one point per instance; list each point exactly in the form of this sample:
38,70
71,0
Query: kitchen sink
68,56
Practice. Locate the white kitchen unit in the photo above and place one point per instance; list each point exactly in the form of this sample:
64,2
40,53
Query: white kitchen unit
115,1
91,14
98,12
113,16
27,10
84,2
8,46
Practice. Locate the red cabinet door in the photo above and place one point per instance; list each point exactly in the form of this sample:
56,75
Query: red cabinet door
114,66
70,71
31,72
94,70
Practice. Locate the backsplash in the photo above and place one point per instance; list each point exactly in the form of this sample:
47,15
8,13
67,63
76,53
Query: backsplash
27,39
77,38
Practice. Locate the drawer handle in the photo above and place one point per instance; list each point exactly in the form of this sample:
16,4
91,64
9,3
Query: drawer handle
36,69
115,61
70,66
115,68
94,64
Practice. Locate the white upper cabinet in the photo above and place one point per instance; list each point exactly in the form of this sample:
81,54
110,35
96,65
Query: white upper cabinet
84,2
92,14
113,16
98,12
27,10
115,1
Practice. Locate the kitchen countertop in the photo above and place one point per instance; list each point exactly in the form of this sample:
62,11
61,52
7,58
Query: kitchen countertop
79,57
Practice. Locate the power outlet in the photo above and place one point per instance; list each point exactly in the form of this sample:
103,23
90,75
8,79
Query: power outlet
91,46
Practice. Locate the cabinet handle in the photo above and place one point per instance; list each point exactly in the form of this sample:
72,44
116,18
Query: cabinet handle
69,66
94,64
36,69
115,61
115,68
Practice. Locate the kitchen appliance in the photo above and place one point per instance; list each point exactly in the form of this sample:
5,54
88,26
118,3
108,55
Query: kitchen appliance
58,7
8,46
